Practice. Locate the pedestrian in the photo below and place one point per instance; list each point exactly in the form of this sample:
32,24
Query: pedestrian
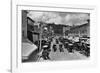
61,47
54,48
57,42
45,55
46,52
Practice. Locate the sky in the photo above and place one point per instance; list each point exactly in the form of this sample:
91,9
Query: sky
65,18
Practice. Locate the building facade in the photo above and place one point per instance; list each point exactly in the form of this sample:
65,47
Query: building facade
79,31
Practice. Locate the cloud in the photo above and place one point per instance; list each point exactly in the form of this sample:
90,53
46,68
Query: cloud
44,16
55,18
76,19
66,18
34,15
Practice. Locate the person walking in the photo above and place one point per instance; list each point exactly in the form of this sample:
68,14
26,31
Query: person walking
61,47
54,47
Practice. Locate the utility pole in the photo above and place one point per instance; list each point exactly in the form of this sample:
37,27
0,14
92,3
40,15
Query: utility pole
41,32
40,38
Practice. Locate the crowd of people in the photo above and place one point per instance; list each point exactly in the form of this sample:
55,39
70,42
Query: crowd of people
50,44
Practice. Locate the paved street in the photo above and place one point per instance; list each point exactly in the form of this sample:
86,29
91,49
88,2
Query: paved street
56,56
66,56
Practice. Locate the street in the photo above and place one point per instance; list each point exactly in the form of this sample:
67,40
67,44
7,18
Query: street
45,37
57,56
